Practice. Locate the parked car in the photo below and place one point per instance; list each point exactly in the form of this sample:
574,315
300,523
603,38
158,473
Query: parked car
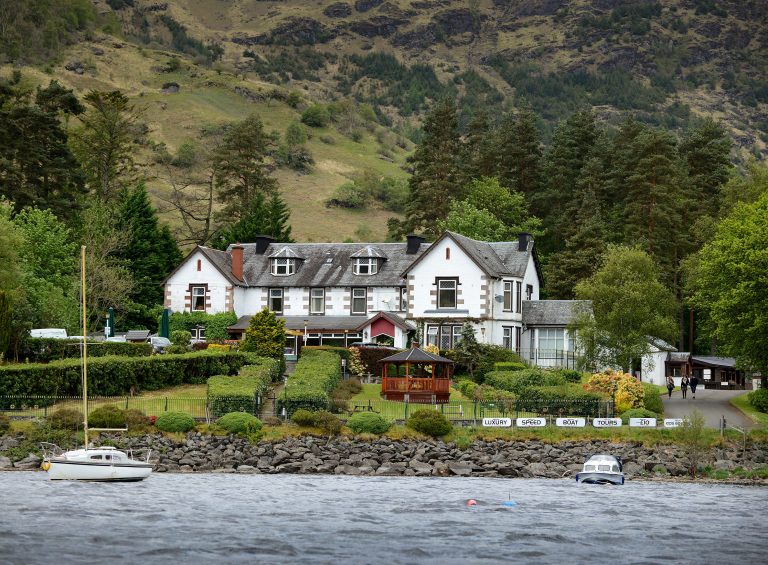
159,343
55,333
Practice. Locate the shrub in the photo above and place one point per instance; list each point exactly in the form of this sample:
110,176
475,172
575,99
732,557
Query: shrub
177,349
272,421
175,422
348,195
239,423
342,352
316,116
109,416
368,422
238,393
303,417
66,419
637,413
115,376
652,398
509,366
135,419
519,381
316,374
759,399
429,422
370,357
327,422
5,423
627,391
215,324
570,375
489,356
565,400
181,337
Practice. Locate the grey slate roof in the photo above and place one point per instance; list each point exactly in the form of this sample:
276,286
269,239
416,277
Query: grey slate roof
660,344
316,269
369,251
553,312
496,259
399,321
679,356
222,260
726,362
314,323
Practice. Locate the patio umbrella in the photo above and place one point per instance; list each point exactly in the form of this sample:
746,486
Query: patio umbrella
164,324
111,322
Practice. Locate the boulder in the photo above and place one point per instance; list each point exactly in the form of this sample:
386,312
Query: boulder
338,10
247,470
421,468
5,463
460,468
365,5
31,461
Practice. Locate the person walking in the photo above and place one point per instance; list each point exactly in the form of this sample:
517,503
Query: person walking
684,386
694,383
670,385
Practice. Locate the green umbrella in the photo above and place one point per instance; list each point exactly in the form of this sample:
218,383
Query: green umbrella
111,322
164,323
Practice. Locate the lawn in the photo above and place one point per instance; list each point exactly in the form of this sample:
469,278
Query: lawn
742,403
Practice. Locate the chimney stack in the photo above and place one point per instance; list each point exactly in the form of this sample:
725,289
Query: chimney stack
237,261
522,241
414,243
262,242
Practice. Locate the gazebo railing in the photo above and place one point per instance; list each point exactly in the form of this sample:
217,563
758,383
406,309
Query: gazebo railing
416,384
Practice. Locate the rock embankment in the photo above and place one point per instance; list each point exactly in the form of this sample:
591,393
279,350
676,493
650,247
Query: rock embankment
345,456
384,456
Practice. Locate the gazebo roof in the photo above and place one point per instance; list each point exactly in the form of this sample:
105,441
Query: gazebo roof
415,355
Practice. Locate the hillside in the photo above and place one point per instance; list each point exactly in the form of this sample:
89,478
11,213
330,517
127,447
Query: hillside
669,62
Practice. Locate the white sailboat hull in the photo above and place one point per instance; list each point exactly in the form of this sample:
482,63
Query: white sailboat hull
85,471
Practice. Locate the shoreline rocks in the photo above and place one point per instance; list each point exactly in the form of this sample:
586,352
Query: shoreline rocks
387,457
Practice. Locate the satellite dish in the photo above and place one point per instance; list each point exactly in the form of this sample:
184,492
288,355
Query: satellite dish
499,298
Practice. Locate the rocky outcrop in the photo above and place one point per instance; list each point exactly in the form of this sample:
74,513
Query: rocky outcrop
457,21
365,5
383,26
293,31
338,10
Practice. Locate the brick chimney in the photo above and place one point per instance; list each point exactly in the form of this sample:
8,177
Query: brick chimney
414,243
237,261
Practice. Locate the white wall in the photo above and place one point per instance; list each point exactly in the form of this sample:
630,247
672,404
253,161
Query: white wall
178,284
470,296
652,367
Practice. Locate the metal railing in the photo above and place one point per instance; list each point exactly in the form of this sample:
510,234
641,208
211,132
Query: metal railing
20,407
550,357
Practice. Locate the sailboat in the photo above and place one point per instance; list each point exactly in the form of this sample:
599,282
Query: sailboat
103,463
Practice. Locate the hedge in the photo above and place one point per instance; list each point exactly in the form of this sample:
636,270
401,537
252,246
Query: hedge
519,381
117,375
316,374
238,393
509,366
45,350
490,355
215,324
566,400
342,352
652,398
370,356
759,399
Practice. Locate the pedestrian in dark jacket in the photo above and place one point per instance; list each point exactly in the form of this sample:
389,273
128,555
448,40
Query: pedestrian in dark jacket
670,385
694,384
684,386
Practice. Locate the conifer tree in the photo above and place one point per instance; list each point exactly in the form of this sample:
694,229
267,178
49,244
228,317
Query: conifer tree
437,178
265,336
241,166
518,153
478,156
260,218
706,151
151,252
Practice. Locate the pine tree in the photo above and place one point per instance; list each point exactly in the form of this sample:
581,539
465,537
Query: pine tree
260,218
437,178
518,153
467,350
151,252
478,155
706,151
241,166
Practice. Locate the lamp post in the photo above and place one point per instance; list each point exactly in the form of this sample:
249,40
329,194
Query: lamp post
305,331
107,328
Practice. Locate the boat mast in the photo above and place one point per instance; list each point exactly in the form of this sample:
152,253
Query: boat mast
85,347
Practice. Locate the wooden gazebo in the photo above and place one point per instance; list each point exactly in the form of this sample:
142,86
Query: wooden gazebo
417,375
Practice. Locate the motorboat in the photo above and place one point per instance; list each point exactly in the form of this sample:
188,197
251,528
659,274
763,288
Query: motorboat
602,469
104,463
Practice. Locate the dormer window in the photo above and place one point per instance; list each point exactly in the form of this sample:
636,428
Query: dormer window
282,267
366,266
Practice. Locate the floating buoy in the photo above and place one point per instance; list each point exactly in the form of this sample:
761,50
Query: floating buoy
471,502
510,503
45,465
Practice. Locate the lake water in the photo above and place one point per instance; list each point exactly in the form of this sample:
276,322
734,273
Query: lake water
210,518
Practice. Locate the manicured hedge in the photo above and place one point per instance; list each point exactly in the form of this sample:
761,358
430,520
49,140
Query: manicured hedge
370,356
759,399
342,352
509,366
567,400
316,374
215,324
652,398
239,423
175,422
238,393
519,381
115,376
45,350
484,393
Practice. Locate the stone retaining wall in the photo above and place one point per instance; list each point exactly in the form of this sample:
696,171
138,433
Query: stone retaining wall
344,456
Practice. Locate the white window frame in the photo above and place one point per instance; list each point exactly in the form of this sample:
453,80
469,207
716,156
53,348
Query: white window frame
404,299
519,297
508,339
508,296
198,332
282,266
529,292
432,335
551,342
357,294
317,294
276,294
366,266
447,285
198,295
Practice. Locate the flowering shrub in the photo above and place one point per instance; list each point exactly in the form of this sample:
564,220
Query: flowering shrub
433,349
627,390
355,364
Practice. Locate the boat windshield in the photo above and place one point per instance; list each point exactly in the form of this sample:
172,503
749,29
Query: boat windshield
589,467
603,467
